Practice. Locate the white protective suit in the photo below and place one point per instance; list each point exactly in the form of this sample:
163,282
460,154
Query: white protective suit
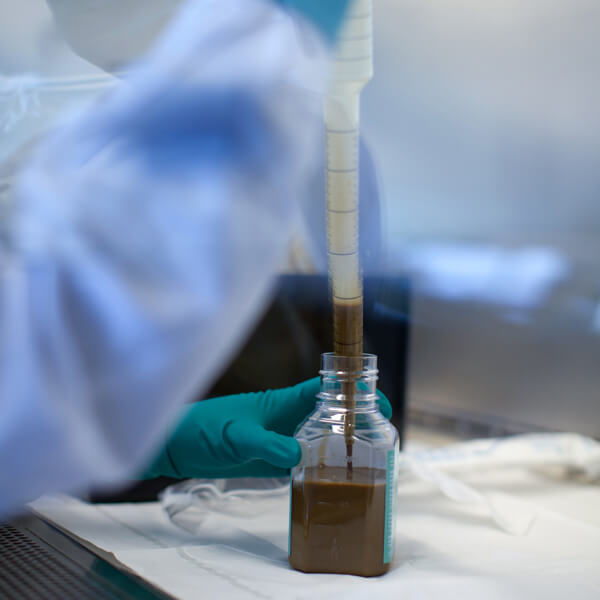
147,231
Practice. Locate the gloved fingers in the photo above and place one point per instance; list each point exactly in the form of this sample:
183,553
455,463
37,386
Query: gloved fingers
306,396
249,440
162,466
284,409
384,405
306,393
382,402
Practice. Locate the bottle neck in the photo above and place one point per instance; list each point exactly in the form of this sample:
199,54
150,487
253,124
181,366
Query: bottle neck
337,405
349,383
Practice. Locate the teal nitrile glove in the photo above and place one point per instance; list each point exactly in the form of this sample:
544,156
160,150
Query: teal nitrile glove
327,15
246,435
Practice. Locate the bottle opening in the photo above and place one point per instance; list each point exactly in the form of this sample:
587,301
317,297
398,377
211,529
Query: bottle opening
351,380
364,365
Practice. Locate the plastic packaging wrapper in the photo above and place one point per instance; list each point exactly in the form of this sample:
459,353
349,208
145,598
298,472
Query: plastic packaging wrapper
191,502
566,450
569,450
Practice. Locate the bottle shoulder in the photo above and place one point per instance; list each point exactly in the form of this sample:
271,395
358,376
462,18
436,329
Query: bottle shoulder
369,425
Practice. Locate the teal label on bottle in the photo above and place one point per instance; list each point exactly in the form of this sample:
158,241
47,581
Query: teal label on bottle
390,502
290,523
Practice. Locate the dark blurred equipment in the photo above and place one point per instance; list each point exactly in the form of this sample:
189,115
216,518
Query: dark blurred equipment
40,562
286,346
479,372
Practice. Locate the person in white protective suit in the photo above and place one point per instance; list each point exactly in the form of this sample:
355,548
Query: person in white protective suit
147,231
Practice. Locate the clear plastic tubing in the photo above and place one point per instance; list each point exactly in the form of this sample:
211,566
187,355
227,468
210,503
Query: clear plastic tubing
353,68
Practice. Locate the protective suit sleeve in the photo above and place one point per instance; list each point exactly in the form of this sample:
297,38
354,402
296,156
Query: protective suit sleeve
148,230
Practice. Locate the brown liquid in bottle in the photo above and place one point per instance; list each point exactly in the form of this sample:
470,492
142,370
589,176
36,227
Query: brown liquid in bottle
338,526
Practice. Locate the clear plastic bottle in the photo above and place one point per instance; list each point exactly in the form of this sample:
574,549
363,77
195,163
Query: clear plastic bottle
342,507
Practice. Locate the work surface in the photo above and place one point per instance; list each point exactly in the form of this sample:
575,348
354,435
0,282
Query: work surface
443,549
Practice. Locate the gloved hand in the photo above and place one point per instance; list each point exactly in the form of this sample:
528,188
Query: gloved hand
246,435
327,15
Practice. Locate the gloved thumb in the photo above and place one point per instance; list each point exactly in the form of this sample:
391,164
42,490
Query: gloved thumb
252,441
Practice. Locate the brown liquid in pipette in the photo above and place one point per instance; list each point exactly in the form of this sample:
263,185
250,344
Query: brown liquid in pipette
348,328
338,526
348,341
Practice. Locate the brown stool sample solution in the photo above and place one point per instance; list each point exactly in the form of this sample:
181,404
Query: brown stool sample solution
336,525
